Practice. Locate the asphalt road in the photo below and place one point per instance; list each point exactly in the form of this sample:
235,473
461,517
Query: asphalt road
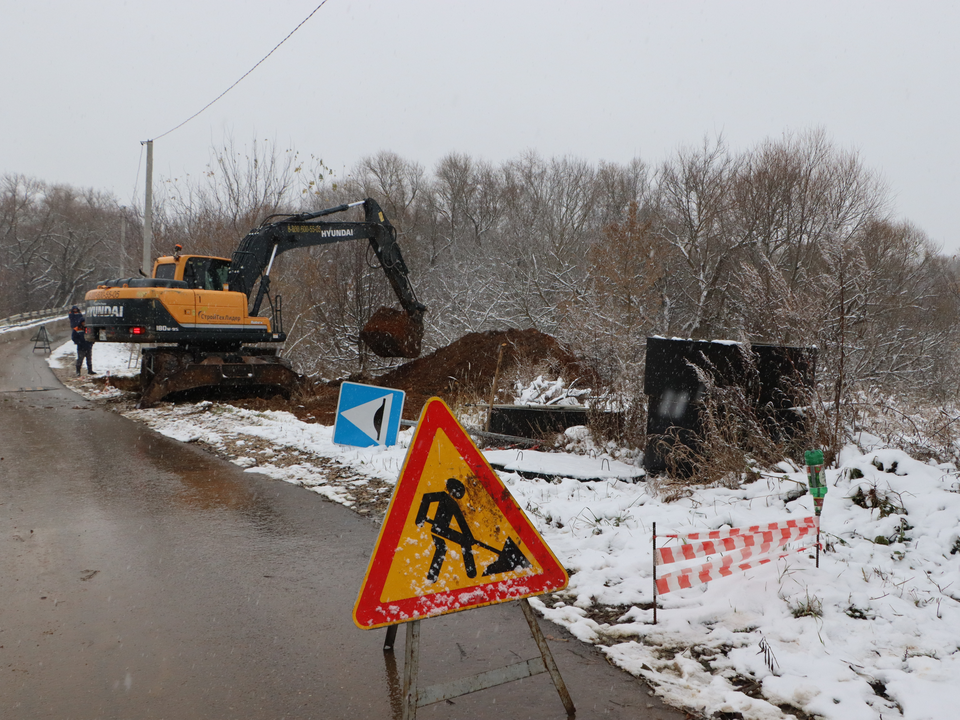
143,578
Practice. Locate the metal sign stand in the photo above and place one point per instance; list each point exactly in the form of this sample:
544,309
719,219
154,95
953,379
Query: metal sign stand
654,573
42,340
415,697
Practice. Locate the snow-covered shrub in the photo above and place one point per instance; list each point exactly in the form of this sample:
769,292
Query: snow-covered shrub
549,392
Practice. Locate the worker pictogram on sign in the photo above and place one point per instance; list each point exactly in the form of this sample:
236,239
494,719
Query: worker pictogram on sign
453,537
367,415
508,558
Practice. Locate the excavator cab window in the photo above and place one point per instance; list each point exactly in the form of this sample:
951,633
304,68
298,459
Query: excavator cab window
167,271
217,272
206,273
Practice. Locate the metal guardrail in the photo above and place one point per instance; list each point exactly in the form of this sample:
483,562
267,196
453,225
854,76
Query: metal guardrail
487,435
30,317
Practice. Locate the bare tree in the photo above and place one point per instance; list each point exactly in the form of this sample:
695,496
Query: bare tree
25,224
468,199
55,242
236,192
76,247
624,295
694,206
396,183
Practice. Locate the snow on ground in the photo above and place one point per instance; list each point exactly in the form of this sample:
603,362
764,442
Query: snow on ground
581,467
872,634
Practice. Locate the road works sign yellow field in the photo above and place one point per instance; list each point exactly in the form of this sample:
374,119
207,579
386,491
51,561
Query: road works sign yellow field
453,537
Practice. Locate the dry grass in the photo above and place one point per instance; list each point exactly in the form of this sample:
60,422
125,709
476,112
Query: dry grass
925,429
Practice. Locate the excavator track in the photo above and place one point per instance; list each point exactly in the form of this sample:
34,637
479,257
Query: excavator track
167,370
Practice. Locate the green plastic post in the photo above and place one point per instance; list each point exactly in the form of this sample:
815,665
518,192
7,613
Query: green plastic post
818,485
815,477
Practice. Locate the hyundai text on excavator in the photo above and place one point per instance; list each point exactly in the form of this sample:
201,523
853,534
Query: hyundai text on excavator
203,313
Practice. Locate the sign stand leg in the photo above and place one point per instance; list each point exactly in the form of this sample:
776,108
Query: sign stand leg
548,660
394,685
411,668
391,638
414,696
654,573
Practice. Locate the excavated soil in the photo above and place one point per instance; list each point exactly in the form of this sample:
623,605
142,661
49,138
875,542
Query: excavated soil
392,333
462,372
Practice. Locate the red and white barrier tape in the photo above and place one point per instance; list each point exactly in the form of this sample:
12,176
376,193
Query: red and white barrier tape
734,545
682,579
760,541
812,521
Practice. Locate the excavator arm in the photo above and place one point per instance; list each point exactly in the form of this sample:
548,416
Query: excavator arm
388,334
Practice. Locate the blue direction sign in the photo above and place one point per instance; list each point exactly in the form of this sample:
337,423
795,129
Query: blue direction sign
367,415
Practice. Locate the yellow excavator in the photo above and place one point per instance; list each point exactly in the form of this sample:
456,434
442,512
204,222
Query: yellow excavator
201,314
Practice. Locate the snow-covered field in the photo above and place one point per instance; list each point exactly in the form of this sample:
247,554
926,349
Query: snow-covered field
873,633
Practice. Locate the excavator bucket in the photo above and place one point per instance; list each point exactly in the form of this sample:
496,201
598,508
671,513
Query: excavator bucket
393,333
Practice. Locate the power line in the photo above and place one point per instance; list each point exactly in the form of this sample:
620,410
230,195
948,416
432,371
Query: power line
245,74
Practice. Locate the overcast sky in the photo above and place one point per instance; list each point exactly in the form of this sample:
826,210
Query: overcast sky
83,83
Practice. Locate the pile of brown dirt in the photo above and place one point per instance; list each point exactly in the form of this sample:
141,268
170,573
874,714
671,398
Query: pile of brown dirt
460,372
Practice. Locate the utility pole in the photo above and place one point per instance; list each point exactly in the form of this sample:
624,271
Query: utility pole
147,266
123,241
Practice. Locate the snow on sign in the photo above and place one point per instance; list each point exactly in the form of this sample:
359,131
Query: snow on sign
453,537
367,415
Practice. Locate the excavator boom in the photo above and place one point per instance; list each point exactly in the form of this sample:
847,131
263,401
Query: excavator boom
253,259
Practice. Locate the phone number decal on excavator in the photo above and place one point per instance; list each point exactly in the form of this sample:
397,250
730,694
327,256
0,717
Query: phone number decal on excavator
106,294
322,232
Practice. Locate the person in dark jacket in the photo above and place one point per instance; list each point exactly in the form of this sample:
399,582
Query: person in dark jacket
84,346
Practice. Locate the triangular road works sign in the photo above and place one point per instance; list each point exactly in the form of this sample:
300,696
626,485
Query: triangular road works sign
453,537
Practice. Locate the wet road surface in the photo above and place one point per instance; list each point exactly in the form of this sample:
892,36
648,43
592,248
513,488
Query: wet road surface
143,578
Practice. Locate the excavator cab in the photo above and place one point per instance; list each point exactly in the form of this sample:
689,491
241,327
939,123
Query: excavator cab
206,273
199,272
